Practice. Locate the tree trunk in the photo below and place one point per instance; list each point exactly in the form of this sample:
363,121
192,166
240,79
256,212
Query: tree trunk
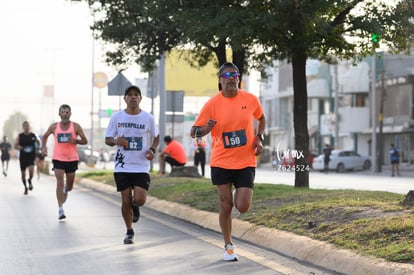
239,58
300,119
220,52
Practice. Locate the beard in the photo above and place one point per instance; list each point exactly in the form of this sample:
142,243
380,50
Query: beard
231,87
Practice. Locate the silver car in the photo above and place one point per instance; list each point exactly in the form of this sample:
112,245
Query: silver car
343,160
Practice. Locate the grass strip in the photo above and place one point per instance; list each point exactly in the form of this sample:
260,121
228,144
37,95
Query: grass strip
370,223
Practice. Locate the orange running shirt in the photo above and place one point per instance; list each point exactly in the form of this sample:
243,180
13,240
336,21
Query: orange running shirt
233,136
176,151
63,150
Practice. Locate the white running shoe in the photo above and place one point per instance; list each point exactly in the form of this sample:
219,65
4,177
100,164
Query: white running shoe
61,214
229,254
129,238
234,211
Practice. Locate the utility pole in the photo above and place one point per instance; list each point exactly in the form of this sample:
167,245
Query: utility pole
373,115
163,97
91,141
336,105
381,122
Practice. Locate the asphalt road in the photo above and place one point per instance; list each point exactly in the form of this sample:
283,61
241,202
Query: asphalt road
89,241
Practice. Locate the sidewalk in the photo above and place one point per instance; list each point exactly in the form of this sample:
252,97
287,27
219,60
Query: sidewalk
406,170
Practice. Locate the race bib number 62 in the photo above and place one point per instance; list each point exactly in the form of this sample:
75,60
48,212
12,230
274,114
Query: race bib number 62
234,139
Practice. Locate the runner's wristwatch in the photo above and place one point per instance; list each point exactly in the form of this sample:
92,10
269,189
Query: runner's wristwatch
260,136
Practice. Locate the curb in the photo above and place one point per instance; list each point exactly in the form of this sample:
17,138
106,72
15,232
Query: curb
299,247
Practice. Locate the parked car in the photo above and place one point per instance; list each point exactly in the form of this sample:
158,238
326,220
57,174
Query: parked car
288,159
312,156
84,153
343,160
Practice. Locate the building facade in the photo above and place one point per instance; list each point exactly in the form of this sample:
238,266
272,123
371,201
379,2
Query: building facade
340,102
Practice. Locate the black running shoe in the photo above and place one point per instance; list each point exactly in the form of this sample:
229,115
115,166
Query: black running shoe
30,185
135,209
129,238
25,191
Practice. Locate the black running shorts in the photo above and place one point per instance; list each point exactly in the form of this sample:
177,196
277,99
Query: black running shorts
239,177
127,180
26,162
68,166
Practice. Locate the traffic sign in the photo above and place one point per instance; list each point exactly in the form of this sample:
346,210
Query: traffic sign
118,85
100,80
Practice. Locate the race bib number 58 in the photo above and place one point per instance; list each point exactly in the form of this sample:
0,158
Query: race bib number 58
234,139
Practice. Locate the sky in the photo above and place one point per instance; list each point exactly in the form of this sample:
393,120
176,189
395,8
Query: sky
49,42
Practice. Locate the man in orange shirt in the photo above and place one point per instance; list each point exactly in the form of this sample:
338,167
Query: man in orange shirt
173,153
230,116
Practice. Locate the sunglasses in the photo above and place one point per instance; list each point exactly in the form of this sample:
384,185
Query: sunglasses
227,75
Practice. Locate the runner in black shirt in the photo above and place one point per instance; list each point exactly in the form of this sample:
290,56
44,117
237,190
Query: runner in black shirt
5,148
27,143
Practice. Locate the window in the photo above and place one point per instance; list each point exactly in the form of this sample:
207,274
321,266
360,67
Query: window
360,100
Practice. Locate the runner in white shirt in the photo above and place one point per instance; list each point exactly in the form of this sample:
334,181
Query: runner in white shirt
134,133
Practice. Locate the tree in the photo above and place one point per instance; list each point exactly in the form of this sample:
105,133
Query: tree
13,125
321,29
140,31
257,31
212,27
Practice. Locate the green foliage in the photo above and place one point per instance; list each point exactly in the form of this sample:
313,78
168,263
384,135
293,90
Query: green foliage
13,125
335,28
140,31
